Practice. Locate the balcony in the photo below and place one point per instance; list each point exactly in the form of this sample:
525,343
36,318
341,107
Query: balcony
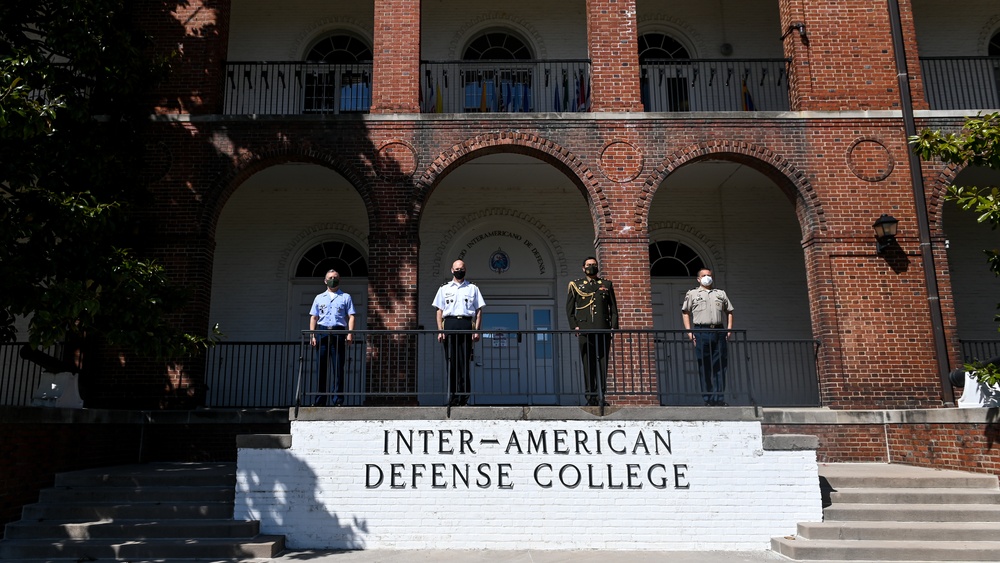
505,86
297,88
714,85
525,367
961,83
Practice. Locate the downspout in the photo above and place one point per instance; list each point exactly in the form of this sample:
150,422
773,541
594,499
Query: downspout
917,180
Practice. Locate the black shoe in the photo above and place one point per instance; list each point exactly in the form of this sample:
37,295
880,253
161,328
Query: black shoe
321,402
593,402
721,404
338,403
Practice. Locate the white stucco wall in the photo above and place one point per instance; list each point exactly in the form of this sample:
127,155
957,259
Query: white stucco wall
943,30
714,489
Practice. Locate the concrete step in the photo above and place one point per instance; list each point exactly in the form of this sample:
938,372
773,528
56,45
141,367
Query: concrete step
912,512
151,475
873,550
86,512
899,531
886,476
132,529
899,495
127,550
163,493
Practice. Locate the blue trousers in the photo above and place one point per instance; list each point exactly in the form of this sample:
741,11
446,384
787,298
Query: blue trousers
332,351
713,357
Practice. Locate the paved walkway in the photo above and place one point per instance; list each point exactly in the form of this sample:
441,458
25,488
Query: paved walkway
532,556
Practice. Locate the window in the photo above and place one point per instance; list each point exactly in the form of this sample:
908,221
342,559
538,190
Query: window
994,49
338,78
333,255
497,87
670,258
663,88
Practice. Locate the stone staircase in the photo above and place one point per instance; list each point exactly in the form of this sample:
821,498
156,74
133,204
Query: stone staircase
889,512
150,512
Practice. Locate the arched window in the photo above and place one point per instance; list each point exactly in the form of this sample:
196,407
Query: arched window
664,86
670,258
994,48
333,255
493,87
497,45
338,76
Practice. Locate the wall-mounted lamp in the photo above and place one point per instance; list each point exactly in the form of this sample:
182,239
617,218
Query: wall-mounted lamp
885,232
796,26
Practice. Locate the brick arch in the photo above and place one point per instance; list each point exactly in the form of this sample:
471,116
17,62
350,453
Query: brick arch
259,159
517,143
790,180
935,199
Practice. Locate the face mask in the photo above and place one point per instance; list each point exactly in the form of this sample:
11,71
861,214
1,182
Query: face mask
706,281
332,283
459,274
591,270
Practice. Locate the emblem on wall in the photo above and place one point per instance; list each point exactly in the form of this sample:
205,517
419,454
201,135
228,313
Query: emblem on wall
499,261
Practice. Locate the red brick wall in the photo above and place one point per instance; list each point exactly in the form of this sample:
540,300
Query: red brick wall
963,447
611,44
396,68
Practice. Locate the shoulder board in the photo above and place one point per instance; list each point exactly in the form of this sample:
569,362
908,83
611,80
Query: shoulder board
445,283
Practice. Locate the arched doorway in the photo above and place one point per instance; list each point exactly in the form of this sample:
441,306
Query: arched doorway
522,227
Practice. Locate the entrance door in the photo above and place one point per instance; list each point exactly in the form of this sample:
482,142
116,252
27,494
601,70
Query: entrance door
514,368
677,369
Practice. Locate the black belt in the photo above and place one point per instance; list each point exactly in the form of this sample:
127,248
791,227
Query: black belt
458,317
708,326
321,327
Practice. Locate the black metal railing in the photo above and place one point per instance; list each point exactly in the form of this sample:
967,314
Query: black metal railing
19,378
962,83
979,350
524,367
676,85
505,86
297,87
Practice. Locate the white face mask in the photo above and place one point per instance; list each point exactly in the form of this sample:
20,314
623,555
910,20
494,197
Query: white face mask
706,281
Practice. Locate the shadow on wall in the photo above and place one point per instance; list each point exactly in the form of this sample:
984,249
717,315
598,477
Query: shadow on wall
291,501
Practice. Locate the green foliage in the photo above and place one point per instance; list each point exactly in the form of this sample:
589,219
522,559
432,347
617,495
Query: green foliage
72,78
978,144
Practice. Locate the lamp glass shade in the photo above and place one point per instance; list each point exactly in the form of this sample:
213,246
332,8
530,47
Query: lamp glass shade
885,226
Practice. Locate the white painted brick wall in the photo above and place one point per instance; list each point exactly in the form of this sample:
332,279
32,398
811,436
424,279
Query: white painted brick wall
739,496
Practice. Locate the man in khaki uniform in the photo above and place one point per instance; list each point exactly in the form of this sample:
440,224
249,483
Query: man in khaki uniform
708,317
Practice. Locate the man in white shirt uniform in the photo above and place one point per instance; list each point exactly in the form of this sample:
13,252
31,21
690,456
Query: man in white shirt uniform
459,306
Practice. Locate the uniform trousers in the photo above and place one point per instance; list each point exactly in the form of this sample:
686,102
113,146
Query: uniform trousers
594,349
711,351
458,353
332,356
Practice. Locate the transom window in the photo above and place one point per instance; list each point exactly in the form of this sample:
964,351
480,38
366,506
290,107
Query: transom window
660,46
673,259
497,45
340,49
333,255
994,48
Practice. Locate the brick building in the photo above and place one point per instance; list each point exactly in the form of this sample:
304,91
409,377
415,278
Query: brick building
760,139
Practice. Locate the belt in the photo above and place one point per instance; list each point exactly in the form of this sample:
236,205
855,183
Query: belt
708,326
321,327
457,317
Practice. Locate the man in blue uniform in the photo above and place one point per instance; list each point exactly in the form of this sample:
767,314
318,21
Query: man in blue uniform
332,311
459,306
591,305
706,311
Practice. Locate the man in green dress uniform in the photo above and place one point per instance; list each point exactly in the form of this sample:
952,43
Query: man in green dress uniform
591,305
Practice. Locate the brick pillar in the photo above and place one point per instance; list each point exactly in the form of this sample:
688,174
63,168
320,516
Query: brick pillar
198,33
393,262
396,68
611,43
844,40
632,373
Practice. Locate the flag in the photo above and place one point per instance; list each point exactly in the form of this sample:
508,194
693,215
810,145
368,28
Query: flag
556,100
438,102
747,99
482,97
565,103
581,87
574,104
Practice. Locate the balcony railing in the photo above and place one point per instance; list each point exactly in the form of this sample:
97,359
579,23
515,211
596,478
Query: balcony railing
962,83
511,368
714,85
298,87
979,350
505,86
19,378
